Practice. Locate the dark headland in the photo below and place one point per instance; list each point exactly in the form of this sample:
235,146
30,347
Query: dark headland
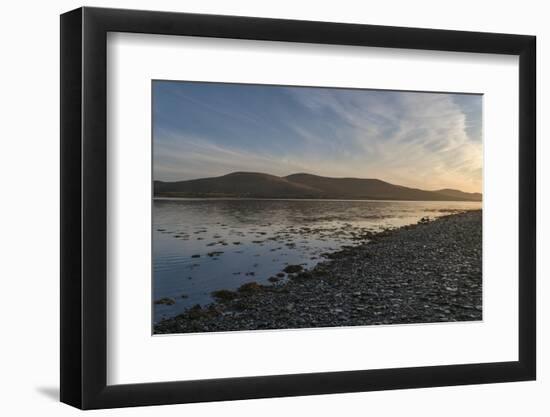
428,272
303,186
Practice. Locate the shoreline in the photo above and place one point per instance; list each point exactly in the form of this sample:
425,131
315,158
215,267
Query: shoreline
423,273
184,198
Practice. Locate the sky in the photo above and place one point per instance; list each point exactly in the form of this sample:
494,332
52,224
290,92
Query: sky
422,140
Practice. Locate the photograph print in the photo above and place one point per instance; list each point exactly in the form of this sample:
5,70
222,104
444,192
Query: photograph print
291,207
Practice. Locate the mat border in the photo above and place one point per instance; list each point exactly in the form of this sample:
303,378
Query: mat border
84,207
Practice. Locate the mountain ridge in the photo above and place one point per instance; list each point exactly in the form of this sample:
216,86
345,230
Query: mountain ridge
242,184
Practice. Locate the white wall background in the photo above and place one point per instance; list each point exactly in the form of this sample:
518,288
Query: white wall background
29,173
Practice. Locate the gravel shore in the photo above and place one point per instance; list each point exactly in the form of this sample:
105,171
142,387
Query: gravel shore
429,272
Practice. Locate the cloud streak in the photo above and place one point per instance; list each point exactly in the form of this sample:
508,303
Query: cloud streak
423,140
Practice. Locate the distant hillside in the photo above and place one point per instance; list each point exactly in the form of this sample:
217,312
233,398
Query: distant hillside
238,184
461,195
258,185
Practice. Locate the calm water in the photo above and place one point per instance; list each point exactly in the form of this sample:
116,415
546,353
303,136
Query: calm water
203,245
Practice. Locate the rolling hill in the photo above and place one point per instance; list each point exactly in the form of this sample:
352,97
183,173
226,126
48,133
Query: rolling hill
259,185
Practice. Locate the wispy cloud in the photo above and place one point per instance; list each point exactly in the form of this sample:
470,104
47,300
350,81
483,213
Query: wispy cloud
423,140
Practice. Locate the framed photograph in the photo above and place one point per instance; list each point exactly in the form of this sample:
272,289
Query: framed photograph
257,208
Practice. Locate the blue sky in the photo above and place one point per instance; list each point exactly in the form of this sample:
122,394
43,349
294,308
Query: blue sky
424,140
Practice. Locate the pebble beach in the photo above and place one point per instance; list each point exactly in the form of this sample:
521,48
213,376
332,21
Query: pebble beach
422,273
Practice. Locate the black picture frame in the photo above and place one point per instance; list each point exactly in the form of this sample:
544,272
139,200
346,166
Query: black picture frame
84,207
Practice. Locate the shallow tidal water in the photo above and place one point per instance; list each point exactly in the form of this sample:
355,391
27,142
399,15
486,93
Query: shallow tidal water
204,245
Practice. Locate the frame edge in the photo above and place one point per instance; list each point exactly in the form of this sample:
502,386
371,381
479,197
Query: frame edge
70,203
527,207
